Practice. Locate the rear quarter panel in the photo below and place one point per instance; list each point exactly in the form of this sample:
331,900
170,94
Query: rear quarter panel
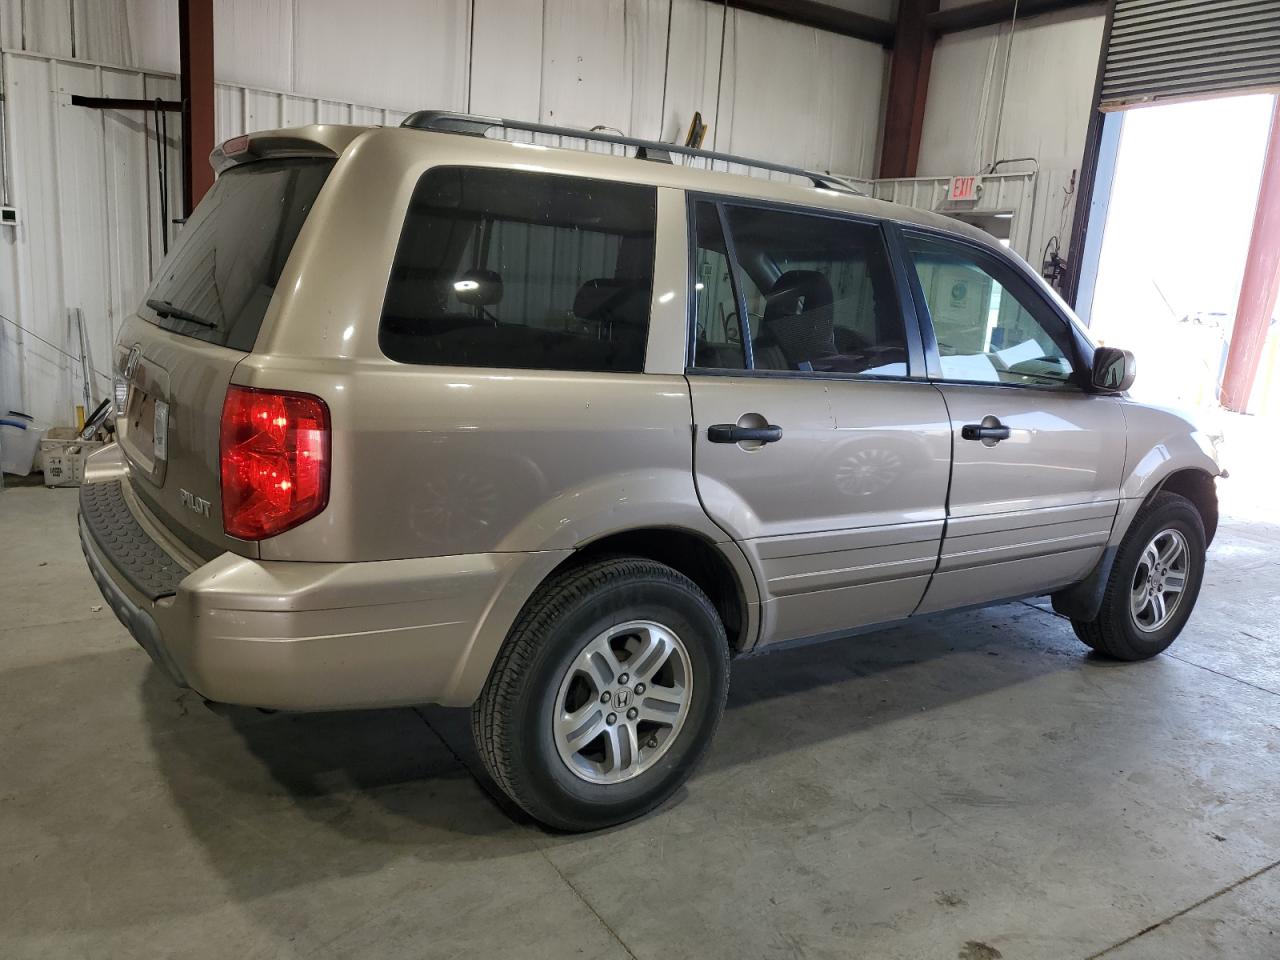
432,461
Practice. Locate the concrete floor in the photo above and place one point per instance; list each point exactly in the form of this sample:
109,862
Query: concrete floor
973,786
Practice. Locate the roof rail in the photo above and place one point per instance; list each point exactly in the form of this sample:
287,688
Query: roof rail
448,121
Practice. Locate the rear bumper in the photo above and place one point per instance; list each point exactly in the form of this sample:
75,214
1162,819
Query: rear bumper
320,636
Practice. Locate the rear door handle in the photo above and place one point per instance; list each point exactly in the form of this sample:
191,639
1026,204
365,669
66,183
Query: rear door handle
982,431
732,433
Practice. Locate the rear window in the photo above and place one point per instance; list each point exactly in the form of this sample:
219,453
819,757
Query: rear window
504,268
218,280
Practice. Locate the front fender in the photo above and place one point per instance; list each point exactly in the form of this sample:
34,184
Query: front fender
1161,442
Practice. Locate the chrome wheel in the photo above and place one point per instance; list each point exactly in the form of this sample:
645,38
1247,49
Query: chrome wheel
622,702
1159,581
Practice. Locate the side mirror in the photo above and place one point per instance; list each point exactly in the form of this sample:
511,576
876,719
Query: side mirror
479,288
1113,370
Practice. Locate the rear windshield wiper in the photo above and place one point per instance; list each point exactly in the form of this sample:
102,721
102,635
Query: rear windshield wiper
165,310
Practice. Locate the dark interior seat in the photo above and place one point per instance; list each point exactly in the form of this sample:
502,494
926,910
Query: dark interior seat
799,322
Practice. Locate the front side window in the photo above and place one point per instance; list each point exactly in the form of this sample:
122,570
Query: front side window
504,268
990,325
819,293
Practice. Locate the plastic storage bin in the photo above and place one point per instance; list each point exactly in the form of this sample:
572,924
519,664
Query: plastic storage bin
20,437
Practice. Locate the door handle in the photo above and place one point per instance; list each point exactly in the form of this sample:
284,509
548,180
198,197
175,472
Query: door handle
984,431
732,433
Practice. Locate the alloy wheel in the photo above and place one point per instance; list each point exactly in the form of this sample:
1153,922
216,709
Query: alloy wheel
1159,580
622,702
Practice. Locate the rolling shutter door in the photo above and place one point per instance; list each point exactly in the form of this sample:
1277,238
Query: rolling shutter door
1166,49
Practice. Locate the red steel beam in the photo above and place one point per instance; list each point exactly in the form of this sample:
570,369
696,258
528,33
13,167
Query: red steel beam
908,87
195,43
1261,283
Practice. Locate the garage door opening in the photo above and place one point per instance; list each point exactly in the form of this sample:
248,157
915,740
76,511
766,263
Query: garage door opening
1178,204
1173,251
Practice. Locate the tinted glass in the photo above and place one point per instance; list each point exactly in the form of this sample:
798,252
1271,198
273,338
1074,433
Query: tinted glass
501,268
820,293
990,325
718,335
220,276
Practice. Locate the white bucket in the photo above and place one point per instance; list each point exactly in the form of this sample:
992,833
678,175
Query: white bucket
19,439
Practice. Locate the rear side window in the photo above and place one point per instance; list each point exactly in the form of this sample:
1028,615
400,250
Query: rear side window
504,268
220,276
819,294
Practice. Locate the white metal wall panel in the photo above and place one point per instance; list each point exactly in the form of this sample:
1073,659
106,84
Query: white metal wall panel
84,182
253,41
153,34
506,59
603,63
129,244
78,156
693,66
36,252
799,95
407,54
1046,106
1172,49
102,31
45,26
240,110
11,26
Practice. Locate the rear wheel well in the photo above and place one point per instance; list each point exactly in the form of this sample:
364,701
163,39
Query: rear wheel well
1198,487
692,555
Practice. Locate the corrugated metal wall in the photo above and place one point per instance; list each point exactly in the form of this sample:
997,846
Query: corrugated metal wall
85,180
1041,111
86,186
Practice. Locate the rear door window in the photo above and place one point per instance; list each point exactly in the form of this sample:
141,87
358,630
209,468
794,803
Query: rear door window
505,268
819,293
219,278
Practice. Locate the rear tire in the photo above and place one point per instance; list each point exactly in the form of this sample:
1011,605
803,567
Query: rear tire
1154,582
626,627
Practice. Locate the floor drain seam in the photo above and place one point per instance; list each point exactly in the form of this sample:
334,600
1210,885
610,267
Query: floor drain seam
1219,673
1174,656
585,902
1185,910
439,736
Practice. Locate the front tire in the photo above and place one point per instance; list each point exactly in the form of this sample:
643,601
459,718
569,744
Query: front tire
1154,582
605,695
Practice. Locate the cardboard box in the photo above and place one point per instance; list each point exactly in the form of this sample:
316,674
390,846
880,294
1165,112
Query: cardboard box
64,460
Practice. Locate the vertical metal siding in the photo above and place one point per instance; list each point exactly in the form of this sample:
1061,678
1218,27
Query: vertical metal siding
1168,49
85,181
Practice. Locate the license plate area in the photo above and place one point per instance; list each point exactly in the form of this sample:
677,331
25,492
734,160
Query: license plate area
145,434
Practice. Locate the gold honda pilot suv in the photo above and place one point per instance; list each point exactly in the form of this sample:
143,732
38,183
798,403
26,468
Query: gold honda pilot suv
554,424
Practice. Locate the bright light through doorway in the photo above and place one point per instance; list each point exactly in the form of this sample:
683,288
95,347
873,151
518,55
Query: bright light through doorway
1173,255
1174,246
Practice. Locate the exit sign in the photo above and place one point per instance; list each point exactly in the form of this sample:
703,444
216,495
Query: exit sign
964,188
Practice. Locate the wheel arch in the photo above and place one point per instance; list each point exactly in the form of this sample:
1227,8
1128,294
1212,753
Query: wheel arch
720,570
1197,486
1081,601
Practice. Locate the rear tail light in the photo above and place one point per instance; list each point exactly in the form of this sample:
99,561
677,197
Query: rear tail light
275,460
